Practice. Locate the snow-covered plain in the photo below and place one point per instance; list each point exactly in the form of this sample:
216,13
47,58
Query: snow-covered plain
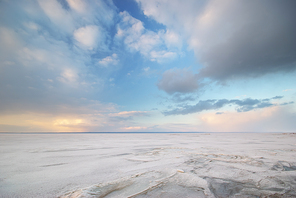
148,165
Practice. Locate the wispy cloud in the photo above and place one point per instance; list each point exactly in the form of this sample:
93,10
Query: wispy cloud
244,105
49,71
109,60
89,36
287,89
58,15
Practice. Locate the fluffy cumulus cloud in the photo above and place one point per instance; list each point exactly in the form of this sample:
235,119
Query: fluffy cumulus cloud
245,105
49,57
233,39
89,36
178,81
109,60
44,75
158,46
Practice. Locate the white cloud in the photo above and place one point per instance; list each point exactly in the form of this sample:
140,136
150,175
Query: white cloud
130,113
172,39
60,17
42,70
109,60
69,75
78,5
130,29
172,13
92,12
156,46
89,36
162,56
195,20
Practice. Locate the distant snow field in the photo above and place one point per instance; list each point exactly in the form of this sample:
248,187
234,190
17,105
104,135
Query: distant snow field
148,165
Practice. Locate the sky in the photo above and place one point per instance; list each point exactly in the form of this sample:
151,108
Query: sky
147,66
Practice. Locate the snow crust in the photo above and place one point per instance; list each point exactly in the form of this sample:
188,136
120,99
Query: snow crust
148,165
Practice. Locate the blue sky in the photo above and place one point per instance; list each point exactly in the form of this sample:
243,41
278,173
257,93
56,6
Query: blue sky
136,65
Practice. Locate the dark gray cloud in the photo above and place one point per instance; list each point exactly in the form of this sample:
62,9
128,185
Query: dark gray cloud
232,39
259,40
179,98
241,105
178,81
277,97
287,103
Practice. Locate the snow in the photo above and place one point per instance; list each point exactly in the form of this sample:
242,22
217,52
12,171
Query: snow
148,165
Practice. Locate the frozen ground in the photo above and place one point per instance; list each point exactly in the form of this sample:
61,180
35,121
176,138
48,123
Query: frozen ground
148,165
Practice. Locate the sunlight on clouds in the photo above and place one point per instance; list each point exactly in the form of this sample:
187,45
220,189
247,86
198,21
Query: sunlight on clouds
172,13
60,58
130,113
30,122
264,120
96,117
136,128
77,5
207,17
65,122
34,122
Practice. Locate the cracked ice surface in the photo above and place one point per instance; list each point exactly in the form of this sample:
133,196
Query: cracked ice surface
148,165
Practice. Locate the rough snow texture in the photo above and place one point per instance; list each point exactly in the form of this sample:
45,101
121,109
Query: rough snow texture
148,165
